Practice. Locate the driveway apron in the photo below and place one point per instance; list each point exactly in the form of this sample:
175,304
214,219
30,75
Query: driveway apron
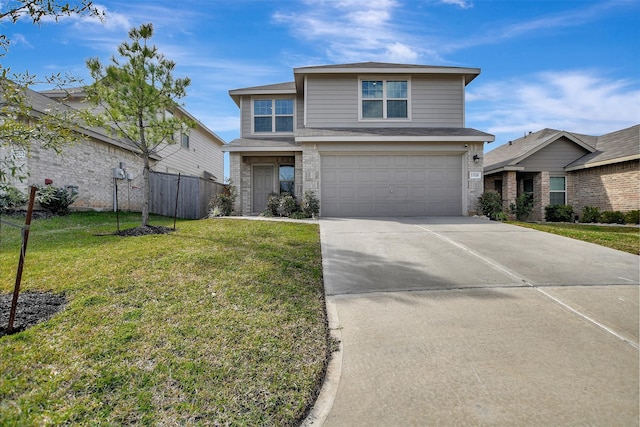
462,321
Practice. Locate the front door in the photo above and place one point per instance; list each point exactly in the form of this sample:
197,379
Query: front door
262,186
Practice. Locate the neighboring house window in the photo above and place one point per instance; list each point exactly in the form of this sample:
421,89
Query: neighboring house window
184,140
273,115
557,190
384,99
287,183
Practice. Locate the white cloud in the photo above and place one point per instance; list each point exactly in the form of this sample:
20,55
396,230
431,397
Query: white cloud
463,4
19,39
578,101
353,30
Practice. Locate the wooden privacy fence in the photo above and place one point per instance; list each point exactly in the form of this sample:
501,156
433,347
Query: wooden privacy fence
194,195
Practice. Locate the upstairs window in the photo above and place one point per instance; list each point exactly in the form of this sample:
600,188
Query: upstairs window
184,140
272,115
384,99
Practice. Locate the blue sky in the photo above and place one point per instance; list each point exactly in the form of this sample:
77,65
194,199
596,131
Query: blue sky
570,65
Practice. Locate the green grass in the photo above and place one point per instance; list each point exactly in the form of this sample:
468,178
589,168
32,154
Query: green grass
625,239
219,323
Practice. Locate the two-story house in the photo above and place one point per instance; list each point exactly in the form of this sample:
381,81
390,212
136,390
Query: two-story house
370,139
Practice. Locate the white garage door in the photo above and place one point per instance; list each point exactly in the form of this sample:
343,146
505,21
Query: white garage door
391,185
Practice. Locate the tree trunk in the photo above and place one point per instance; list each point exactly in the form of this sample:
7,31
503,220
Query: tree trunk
146,192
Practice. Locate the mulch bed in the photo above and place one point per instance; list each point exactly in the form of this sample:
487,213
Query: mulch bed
144,231
33,308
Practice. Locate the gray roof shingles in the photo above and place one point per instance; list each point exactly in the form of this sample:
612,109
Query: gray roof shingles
618,144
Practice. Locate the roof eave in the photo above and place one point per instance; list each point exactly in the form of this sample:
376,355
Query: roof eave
602,163
469,73
502,169
232,149
370,138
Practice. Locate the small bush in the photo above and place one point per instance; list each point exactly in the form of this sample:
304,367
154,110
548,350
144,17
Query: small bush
612,217
590,214
222,203
558,213
490,204
632,217
522,207
11,198
310,204
273,201
287,205
56,200
298,215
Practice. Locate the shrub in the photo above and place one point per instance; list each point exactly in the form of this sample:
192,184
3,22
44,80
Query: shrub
11,198
310,204
490,204
298,215
56,200
287,205
590,214
632,217
222,203
522,207
558,213
273,201
612,217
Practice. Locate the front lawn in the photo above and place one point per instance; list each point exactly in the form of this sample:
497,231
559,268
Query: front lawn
221,322
625,239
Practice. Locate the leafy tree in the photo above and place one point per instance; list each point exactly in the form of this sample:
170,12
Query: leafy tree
36,10
20,125
137,95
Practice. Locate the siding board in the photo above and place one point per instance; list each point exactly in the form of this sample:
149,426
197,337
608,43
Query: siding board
554,157
435,102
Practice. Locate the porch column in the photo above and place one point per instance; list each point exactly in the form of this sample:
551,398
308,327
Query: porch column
540,195
509,189
235,163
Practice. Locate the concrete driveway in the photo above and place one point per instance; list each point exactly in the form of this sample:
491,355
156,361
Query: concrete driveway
462,321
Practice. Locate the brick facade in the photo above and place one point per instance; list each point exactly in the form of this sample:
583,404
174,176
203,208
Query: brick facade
613,187
87,165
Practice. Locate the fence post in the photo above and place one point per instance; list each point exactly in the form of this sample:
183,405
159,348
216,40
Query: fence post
23,253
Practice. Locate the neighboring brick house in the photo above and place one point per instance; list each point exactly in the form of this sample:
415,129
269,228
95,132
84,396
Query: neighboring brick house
88,165
369,139
559,167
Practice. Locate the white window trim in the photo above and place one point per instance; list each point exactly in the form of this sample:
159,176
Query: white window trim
273,114
558,191
385,79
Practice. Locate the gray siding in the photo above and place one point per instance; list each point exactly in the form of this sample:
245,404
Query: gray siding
437,101
245,117
554,157
332,101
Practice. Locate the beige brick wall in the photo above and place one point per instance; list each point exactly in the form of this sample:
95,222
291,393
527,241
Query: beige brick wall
88,166
611,188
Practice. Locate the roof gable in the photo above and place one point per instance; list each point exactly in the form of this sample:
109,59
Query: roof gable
612,147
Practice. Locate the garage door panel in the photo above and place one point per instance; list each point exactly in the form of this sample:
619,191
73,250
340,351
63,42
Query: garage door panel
391,185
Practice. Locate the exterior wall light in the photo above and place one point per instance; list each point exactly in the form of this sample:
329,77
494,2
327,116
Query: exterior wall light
476,158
